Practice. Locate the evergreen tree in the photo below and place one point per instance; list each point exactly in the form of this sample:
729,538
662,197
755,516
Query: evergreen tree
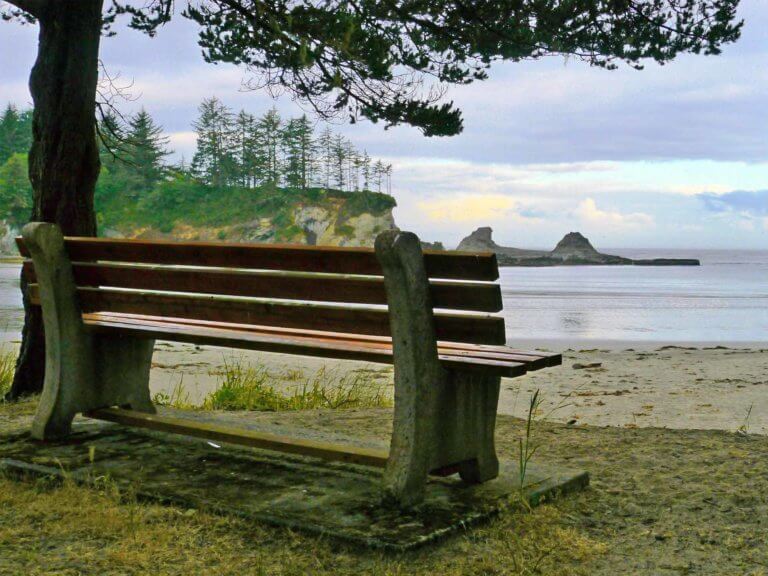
269,130
366,170
24,140
15,189
378,174
112,139
339,156
351,166
146,149
299,152
15,132
214,162
246,140
325,149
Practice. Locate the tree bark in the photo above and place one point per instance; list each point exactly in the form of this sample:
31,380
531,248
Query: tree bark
64,158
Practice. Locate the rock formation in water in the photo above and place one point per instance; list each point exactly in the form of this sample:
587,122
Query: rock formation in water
482,240
432,245
573,249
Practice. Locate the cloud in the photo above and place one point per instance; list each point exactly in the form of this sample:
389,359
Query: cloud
588,212
183,144
749,203
476,208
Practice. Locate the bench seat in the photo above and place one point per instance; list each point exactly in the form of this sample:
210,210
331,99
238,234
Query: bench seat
499,360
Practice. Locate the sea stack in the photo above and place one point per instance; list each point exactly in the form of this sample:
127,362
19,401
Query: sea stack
574,249
574,244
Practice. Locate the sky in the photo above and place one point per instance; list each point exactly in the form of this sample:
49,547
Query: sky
672,156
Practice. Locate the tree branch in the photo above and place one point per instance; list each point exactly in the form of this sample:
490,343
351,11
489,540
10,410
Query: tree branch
33,7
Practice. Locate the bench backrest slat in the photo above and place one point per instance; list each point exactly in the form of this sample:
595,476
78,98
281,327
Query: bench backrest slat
331,259
372,321
448,294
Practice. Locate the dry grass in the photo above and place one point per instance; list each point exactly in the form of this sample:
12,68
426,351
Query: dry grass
72,530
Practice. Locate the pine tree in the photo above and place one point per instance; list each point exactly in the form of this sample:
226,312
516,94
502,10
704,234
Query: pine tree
292,175
15,189
366,170
351,166
339,155
378,174
246,144
112,139
299,150
269,130
214,162
325,150
146,149
10,124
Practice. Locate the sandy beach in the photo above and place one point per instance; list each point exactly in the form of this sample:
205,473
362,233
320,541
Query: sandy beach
684,387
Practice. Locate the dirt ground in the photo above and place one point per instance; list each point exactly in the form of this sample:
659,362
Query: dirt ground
661,501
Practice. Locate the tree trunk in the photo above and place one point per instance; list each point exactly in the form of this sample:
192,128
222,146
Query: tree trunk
64,158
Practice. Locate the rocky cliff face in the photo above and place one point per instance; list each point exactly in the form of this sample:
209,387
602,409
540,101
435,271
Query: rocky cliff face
325,223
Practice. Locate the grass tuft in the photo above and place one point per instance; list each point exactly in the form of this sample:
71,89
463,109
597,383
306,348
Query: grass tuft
249,387
7,367
177,397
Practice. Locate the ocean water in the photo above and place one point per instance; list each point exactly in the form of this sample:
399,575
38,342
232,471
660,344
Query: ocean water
11,311
725,300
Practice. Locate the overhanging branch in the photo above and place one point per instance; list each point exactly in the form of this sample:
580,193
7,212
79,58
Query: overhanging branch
33,7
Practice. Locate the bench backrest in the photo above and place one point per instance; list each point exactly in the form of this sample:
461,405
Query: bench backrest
331,289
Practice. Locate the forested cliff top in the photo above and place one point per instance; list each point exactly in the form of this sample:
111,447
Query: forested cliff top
262,179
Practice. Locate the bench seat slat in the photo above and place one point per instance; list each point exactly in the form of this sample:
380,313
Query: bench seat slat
554,359
534,359
339,260
300,345
478,297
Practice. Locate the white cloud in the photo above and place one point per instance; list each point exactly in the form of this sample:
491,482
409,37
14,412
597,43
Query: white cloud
183,143
477,209
588,212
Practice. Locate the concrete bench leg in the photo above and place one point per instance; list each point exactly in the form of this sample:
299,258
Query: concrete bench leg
441,419
468,423
83,371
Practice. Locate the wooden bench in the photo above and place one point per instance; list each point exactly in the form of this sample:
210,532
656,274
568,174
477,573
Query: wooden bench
106,301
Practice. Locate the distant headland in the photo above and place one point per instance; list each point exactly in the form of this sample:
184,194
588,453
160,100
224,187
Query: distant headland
573,250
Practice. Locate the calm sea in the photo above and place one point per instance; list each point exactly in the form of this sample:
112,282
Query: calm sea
725,300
